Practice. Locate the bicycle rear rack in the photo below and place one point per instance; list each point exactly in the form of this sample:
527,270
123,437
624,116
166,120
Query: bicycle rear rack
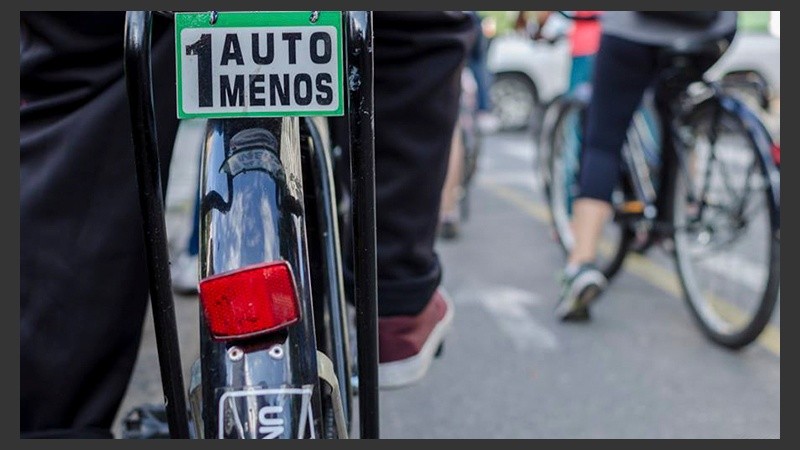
359,72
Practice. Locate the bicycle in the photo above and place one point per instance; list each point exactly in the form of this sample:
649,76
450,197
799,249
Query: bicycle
562,129
695,199
279,367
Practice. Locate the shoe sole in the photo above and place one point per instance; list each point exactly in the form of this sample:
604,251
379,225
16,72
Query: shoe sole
397,374
590,286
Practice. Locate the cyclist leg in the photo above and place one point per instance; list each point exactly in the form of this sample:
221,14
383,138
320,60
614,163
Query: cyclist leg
450,213
185,266
622,71
418,62
83,285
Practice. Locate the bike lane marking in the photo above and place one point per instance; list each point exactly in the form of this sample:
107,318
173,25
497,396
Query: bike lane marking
511,308
638,265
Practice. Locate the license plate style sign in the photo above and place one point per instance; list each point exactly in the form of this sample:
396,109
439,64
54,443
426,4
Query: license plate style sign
259,64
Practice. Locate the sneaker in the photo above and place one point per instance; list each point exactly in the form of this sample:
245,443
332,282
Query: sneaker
185,275
449,229
408,344
580,287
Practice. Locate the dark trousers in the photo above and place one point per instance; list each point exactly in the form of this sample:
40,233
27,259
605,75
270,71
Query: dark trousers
623,70
82,271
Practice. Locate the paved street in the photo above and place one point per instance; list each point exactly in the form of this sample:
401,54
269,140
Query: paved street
640,369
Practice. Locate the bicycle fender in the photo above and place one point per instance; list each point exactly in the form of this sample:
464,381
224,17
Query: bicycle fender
251,213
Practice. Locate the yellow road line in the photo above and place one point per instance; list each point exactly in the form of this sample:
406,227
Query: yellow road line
638,265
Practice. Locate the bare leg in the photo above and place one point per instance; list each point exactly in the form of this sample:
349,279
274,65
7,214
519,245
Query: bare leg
582,286
451,192
589,217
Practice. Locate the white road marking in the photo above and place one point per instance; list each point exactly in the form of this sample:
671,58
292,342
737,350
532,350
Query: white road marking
511,308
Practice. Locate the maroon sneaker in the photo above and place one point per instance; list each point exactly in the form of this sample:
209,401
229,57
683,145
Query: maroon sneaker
408,344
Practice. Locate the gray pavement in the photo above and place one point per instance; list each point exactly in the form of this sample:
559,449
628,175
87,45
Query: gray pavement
639,369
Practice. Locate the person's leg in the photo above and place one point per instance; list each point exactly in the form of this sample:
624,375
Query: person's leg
418,62
83,285
185,266
589,215
622,71
450,214
483,77
487,122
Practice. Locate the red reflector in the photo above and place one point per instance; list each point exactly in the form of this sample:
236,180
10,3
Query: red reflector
776,153
249,301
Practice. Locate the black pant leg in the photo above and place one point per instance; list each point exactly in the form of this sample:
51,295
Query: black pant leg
418,62
82,271
623,70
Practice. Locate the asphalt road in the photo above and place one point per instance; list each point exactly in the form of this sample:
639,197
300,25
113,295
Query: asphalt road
639,369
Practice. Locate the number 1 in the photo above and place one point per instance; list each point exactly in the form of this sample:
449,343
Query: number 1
202,48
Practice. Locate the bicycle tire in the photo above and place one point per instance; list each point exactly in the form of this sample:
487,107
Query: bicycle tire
722,319
564,141
551,113
544,142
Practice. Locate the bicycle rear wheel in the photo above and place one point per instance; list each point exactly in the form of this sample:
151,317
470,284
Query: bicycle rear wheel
727,238
562,188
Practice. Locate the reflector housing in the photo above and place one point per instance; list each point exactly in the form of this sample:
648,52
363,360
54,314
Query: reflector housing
250,301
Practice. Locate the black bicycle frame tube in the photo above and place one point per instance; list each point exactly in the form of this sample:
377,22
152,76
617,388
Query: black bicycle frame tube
361,119
138,31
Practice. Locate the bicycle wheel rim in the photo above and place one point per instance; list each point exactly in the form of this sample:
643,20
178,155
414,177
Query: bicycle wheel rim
563,188
729,263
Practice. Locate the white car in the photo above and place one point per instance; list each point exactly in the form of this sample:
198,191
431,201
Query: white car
752,54
527,74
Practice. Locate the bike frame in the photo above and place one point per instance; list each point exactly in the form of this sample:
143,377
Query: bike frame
672,114
283,359
650,202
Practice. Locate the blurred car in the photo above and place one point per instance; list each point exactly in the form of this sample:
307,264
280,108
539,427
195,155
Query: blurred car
752,64
528,74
